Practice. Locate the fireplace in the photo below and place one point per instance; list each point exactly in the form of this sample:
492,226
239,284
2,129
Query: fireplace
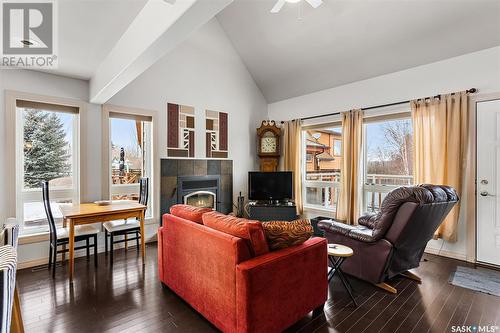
203,199
182,178
199,191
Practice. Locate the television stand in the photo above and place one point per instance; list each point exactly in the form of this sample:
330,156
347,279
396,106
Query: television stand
272,212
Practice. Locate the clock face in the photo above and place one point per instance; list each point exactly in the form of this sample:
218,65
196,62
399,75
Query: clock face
268,145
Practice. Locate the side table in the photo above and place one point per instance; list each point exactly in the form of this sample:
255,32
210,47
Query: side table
336,255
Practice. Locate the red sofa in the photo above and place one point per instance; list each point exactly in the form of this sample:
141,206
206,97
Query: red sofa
216,274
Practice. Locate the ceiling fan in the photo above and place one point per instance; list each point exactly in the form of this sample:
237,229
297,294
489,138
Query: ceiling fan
277,7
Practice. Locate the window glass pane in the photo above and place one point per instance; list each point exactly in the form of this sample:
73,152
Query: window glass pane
130,158
126,151
389,159
47,148
34,212
323,165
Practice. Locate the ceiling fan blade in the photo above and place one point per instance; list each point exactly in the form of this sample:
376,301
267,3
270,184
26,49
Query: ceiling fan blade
277,7
314,3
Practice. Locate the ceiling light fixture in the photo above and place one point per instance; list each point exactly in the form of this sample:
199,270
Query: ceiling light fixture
277,7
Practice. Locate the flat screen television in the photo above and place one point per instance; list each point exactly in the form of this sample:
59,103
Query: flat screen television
270,185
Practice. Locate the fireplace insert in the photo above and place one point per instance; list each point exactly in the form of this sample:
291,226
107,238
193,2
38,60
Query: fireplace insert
199,191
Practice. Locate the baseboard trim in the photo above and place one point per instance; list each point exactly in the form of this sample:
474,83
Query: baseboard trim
447,254
45,260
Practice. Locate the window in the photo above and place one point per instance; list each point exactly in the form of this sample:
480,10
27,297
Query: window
47,149
337,147
388,158
322,164
130,155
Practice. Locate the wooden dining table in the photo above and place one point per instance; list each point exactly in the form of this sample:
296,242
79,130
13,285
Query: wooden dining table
89,213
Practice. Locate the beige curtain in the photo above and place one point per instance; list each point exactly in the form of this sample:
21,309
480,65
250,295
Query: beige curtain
442,128
292,147
349,203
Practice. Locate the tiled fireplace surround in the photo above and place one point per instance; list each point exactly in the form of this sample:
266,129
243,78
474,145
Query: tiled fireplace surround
171,169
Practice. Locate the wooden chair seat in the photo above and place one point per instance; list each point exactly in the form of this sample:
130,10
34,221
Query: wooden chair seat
125,228
80,230
121,225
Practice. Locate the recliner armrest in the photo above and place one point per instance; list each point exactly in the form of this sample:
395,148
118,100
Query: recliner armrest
368,220
358,232
335,226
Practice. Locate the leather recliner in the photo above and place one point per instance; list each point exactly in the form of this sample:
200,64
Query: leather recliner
393,240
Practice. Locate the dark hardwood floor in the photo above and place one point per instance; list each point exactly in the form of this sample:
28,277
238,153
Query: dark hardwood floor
128,297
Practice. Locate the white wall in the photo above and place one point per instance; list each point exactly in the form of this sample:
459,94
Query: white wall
56,86
204,72
35,83
479,70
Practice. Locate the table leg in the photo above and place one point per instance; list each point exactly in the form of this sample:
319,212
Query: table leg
63,255
71,249
347,286
143,237
336,263
17,325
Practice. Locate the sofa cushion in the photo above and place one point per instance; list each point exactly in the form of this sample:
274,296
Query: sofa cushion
249,230
283,234
190,213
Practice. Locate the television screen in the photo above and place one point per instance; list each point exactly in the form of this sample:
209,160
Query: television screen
270,185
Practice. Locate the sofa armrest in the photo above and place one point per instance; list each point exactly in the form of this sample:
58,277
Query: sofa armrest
275,290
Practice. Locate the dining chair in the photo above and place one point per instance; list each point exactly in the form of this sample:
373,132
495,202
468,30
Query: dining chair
60,236
126,227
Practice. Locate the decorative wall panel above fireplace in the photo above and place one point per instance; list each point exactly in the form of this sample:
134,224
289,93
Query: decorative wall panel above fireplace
216,134
191,181
180,129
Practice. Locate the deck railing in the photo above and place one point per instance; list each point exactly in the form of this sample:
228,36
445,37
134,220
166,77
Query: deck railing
322,189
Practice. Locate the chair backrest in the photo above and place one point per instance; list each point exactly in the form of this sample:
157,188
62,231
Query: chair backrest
382,222
143,191
48,210
415,223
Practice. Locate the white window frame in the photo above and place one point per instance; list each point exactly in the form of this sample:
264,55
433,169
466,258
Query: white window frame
127,189
108,188
391,112
15,157
311,183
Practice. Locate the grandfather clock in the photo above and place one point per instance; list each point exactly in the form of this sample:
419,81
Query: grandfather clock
268,145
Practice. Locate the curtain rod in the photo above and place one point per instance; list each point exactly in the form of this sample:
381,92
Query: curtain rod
469,91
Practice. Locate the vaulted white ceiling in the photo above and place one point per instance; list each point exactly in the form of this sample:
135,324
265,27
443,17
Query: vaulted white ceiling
294,52
302,50
88,30
111,42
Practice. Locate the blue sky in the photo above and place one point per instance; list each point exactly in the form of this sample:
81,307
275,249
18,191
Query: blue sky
123,131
